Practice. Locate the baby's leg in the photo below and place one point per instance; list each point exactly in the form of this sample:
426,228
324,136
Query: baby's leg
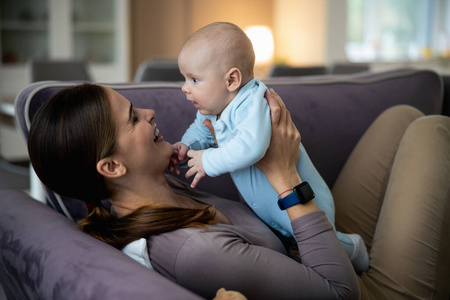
309,173
262,198
353,243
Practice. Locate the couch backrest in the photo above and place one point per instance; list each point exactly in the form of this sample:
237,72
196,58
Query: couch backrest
331,113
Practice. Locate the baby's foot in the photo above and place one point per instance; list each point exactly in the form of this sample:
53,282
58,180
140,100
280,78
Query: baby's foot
360,256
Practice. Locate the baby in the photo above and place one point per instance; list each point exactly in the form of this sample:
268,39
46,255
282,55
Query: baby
217,62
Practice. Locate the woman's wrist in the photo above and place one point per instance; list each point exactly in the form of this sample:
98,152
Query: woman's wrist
299,210
284,193
284,185
284,182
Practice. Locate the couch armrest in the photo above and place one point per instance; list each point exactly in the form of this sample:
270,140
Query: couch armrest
44,256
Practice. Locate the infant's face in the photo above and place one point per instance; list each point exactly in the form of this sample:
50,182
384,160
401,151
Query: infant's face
206,85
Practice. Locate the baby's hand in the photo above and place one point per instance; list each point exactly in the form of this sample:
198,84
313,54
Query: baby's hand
196,166
178,157
180,151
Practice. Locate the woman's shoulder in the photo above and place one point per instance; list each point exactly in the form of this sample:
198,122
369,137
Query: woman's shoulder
169,250
163,249
185,247
179,254
189,246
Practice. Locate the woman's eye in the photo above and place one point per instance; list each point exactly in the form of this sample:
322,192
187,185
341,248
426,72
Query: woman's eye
135,119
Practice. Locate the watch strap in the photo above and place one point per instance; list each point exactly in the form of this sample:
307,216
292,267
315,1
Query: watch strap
288,201
302,194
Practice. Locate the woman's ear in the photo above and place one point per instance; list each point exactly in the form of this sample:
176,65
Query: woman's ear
111,168
234,79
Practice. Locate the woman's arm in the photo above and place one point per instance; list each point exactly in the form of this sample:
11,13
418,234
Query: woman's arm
224,257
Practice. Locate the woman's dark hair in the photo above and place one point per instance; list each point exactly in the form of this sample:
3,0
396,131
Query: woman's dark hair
69,134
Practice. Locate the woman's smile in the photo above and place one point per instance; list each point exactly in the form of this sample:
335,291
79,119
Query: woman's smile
158,137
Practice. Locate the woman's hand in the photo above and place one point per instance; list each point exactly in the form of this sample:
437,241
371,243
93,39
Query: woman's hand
280,161
279,164
223,294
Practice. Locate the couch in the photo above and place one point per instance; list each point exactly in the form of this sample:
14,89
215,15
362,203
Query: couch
44,256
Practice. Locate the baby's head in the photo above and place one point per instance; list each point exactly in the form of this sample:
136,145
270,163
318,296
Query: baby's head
228,46
216,60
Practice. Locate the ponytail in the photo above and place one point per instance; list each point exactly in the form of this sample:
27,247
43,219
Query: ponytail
142,223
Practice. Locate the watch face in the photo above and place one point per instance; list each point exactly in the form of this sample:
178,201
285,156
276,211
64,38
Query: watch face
304,192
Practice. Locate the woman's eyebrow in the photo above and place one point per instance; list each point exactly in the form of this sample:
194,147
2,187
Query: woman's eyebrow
130,113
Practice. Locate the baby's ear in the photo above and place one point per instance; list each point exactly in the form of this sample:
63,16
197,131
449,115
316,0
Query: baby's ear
234,79
111,168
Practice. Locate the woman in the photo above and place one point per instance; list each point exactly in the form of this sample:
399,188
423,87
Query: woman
88,142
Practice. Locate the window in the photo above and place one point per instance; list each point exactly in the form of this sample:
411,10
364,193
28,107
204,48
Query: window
395,30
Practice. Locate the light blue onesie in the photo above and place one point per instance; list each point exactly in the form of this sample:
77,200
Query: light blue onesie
243,135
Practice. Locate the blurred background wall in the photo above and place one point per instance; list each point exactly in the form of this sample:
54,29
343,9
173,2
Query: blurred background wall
115,36
299,27
159,27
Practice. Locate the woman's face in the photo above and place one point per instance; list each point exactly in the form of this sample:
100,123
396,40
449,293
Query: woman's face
139,146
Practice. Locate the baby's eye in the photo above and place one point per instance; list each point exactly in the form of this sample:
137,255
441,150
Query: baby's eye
195,80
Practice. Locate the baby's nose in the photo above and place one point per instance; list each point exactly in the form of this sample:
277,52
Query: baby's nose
185,89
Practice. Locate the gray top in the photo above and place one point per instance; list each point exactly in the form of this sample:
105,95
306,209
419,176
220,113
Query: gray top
248,257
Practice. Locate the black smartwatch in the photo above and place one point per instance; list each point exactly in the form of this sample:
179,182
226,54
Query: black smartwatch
302,194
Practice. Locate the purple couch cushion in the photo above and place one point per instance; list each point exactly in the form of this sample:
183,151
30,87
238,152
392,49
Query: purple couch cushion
44,256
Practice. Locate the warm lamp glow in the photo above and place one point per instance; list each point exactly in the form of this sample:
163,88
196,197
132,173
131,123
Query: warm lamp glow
262,40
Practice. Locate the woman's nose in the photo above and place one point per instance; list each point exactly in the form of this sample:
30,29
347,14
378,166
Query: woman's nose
149,115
